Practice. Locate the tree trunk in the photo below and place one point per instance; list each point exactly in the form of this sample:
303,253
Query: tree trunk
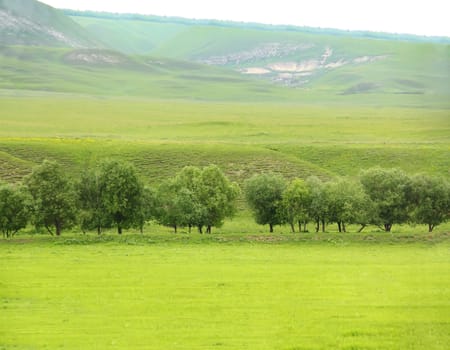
200,229
49,231
119,229
208,229
339,226
174,228
343,227
270,228
299,226
317,225
58,228
292,227
323,225
363,226
430,228
304,227
387,227
99,230
190,226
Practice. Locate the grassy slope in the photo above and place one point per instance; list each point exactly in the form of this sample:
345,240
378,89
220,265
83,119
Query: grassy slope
145,36
41,69
409,67
34,23
229,296
163,114
160,137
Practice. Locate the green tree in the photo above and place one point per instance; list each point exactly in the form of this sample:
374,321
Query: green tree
14,210
146,209
91,202
197,197
295,204
318,209
264,194
217,196
192,211
431,200
178,203
347,203
53,197
389,190
122,193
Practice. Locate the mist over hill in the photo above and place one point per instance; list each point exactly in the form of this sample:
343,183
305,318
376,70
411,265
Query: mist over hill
31,23
329,62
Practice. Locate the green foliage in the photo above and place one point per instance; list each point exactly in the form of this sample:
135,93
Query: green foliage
318,209
177,205
91,202
295,203
122,192
264,194
14,209
54,197
431,200
146,209
389,189
197,197
348,203
217,195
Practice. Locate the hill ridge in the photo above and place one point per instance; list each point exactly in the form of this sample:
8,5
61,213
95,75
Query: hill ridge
30,22
260,26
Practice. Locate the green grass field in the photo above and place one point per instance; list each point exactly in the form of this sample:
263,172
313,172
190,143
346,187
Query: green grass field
238,288
162,136
155,292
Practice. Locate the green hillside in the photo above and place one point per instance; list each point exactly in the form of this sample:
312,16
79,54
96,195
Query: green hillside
166,93
161,137
342,62
106,72
29,22
110,73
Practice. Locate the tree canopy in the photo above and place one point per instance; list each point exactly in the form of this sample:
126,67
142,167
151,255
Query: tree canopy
121,192
53,197
389,190
14,209
264,194
197,197
431,200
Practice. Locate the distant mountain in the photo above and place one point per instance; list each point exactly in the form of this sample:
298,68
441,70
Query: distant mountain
29,22
342,62
135,55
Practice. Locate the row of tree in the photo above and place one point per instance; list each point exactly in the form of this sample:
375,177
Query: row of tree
112,195
381,197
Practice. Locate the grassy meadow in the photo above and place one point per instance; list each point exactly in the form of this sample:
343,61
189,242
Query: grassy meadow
162,136
373,102
155,292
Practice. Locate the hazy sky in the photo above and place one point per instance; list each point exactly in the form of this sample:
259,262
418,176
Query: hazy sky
430,17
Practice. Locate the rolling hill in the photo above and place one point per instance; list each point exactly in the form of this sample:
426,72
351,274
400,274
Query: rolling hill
137,55
163,93
346,62
29,22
